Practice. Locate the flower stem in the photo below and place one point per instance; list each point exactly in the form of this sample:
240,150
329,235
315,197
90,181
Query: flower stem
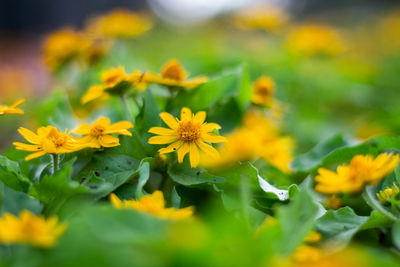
55,163
128,113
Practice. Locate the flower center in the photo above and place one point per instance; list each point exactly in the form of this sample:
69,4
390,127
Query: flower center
57,138
174,72
264,91
97,130
188,131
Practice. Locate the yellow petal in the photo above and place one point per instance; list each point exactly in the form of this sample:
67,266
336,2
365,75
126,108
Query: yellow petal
183,151
160,140
106,122
108,141
83,129
186,114
26,147
194,155
29,135
162,131
94,92
17,103
208,149
121,125
169,120
115,201
35,155
212,138
200,117
171,148
208,127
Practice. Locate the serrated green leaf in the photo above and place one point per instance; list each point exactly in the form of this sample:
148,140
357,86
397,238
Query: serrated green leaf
10,175
340,225
183,174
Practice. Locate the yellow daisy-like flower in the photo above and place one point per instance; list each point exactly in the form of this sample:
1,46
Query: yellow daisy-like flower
263,91
47,140
153,204
30,229
122,23
266,17
388,193
113,78
187,135
315,39
173,74
258,138
12,109
352,178
99,133
61,46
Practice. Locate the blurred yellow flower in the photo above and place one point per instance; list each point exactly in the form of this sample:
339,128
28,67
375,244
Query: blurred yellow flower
47,140
99,133
12,109
61,46
313,237
388,193
266,17
121,23
352,178
258,138
333,202
112,79
315,39
173,74
153,204
366,131
389,31
263,91
309,256
187,135
30,229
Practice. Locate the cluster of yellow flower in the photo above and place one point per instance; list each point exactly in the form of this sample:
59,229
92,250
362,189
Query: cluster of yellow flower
388,193
116,79
95,40
49,140
30,229
259,137
352,178
153,204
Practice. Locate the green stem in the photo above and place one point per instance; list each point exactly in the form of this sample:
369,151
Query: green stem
55,163
128,112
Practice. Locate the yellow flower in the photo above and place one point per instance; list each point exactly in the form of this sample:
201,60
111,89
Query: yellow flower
266,17
30,229
187,135
366,131
315,39
153,204
309,256
263,91
352,178
313,237
12,109
61,46
99,133
333,202
388,193
121,23
47,140
389,31
258,138
113,78
173,74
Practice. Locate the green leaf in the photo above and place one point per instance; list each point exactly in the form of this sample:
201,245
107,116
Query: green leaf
376,220
234,82
183,174
307,162
340,225
297,219
335,151
144,175
14,202
245,89
396,234
10,175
